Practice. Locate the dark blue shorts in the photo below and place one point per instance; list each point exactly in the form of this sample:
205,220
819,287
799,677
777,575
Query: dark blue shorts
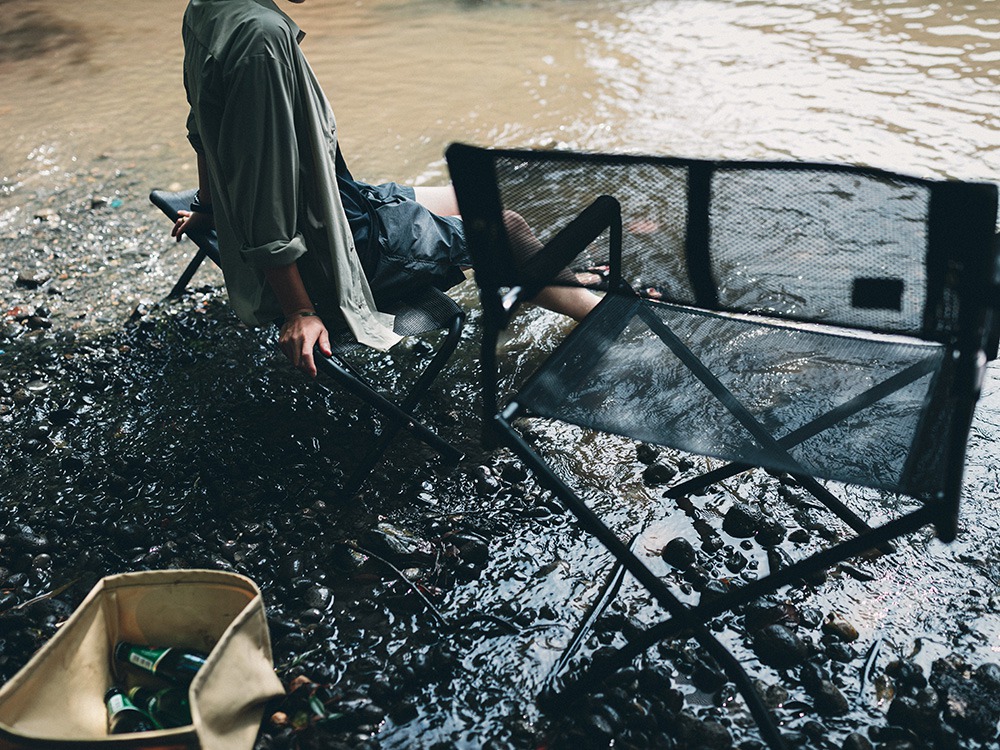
414,247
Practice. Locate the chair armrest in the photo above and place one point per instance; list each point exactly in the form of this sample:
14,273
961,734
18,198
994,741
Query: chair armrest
171,203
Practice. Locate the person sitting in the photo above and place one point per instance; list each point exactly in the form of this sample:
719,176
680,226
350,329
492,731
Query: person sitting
300,239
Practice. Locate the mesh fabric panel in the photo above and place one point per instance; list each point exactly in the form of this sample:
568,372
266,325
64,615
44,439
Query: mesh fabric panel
797,242
617,374
548,193
807,242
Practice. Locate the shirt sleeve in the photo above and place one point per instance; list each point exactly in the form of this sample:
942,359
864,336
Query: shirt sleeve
260,157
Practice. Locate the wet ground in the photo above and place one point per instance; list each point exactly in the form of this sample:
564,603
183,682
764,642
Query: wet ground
429,611
138,434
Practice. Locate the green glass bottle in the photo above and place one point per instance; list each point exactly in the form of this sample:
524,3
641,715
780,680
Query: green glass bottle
167,707
172,664
123,716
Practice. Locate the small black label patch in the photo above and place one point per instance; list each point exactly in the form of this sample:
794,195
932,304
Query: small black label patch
877,294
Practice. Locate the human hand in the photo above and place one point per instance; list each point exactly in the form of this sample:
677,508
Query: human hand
297,337
191,221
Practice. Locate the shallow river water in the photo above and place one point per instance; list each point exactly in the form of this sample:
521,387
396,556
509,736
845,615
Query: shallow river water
117,439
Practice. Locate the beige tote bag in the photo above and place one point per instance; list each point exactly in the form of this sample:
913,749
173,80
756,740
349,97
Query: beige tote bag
57,699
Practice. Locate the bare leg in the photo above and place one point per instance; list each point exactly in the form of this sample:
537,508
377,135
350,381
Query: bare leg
573,301
438,200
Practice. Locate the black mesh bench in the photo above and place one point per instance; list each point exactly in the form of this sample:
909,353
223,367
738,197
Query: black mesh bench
824,322
427,311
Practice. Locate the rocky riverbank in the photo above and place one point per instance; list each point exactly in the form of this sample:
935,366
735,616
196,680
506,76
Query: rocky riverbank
428,612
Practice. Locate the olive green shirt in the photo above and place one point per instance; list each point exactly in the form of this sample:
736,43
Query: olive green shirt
269,136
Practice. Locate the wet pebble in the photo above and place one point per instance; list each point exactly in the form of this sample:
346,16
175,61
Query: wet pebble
841,652
741,521
770,533
654,681
736,561
970,697
318,597
762,612
474,549
828,699
855,572
310,616
856,741
679,552
658,473
487,484
32,279
774,695
293,643
713,590
291,566
513,472
698,577
778,646
600,726
708,676
799,536
8,599
810,617
705,735
280,627
920,711
907,674
646,453
25,539
837,625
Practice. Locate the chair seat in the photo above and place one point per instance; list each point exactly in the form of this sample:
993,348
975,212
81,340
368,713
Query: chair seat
784,395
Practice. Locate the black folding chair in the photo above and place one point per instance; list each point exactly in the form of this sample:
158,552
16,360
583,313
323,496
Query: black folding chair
428,311
821,321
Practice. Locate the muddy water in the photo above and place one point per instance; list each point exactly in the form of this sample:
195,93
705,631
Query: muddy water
96,422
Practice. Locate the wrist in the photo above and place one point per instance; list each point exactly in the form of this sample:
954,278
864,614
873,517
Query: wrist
197,206
306,312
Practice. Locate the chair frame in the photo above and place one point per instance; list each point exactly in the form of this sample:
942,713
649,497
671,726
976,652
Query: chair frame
429,310
503,289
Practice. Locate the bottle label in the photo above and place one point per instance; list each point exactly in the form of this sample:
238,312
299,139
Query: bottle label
147,658
117,703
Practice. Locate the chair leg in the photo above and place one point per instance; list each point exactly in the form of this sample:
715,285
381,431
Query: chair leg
448,453
187,275
692,620
609,590
678,611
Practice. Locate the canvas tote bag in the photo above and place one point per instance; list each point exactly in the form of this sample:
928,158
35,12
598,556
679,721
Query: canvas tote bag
57,699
